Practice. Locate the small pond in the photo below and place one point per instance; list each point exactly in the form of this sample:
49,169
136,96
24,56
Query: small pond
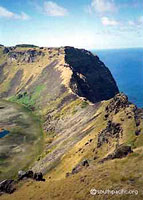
3,133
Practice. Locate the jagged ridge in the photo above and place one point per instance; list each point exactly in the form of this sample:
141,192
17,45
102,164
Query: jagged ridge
77,69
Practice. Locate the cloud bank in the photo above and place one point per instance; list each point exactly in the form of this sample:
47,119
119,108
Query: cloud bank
5,13
102,6
53,9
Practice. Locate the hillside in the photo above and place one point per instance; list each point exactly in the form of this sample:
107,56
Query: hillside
92,133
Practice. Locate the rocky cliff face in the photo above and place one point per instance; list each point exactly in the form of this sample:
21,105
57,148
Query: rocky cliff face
75,70
90,77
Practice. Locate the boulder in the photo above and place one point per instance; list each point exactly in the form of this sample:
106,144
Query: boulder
137,132
25,175
5,50
38,176
85,163
112,130
29,174
21,174
120,101
120,152
79,167
7,186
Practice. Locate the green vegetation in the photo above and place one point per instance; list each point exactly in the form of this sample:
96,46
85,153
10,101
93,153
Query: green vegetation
73,126
26,99
84,104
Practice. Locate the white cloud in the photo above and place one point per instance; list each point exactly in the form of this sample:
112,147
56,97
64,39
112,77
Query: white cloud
24,16
109,22
11,15
102,6
131,23
53,9
5,13
140,20
137,22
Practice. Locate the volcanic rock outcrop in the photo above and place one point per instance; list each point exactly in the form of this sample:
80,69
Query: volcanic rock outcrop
59,69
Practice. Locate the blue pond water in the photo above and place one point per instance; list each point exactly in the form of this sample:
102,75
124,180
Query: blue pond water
126,66
3,133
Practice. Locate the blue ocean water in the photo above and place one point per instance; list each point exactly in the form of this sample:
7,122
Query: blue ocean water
126,66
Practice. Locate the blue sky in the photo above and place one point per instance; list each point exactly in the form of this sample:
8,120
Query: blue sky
91,24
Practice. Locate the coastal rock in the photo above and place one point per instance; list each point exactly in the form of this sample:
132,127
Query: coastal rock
90,77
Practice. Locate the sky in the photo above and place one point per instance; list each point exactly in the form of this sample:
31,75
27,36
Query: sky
90,24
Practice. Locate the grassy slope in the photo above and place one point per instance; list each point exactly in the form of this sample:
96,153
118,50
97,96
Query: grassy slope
119,173
125,173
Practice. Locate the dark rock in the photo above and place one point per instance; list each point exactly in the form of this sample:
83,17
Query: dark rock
38,177
67,174
5,50
28,56
137,122
21,175
19,96
29,174
76,169
137,132
106,116
111,130
95,158
2,107
82,179
91,78
7,186
90,140
120,101
120,152
80,166
85,163
25,175
25,46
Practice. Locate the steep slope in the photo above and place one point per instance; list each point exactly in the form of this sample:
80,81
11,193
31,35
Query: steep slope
49,81
90,78
90,140
23,143
54,71
71,179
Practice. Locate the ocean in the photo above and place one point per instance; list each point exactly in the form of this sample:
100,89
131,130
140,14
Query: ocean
126,66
